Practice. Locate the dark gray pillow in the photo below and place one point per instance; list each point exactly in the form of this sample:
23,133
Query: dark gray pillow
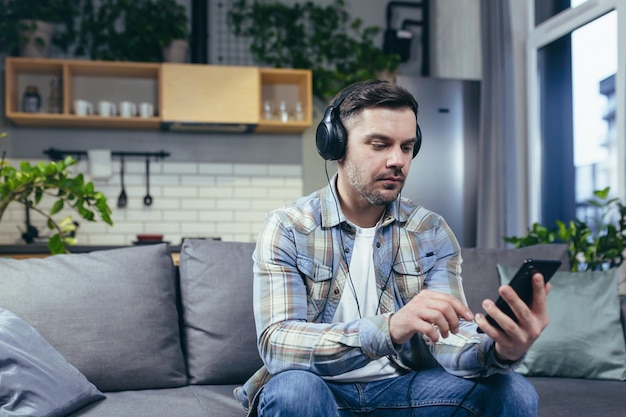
112,314
216,291
35,380
480,268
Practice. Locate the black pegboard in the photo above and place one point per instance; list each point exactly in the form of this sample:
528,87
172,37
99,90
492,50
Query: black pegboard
225,47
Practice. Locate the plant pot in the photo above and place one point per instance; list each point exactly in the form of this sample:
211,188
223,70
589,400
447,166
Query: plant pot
35,38
387,75
176,51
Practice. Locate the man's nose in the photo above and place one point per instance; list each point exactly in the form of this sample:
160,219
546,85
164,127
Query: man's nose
396,157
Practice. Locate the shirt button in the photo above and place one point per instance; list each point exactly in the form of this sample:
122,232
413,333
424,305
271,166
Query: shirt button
336,291
378,244
346,250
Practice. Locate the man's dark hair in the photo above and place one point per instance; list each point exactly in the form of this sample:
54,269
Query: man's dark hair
365,94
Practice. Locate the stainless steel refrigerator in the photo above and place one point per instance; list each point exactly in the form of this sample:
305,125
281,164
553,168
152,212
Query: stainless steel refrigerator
443,176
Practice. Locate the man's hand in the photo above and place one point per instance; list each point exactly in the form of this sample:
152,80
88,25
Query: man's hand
425,311
517,338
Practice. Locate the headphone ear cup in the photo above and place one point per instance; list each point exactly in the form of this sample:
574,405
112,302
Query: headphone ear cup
340,142
323,134
330,137
418,141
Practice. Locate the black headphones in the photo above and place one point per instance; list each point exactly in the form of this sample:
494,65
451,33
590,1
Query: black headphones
331,136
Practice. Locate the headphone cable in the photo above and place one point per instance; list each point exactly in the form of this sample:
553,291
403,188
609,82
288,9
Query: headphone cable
398,200
343,253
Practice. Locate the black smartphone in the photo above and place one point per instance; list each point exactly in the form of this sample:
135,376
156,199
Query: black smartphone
522,284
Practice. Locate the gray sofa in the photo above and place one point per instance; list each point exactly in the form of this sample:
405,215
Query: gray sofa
158,340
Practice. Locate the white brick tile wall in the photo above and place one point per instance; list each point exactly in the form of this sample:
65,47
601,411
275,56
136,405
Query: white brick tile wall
215,216
217,169
231,181
234,204
285,171
209,200
216,192
250,169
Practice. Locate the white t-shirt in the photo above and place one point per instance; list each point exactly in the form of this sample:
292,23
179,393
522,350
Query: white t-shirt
362,284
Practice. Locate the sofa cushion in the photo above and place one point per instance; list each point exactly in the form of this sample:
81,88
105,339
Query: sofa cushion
573,397
35,380
218,320
112,314
480,268
189,401
584,338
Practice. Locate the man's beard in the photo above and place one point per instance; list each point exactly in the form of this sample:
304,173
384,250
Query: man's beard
359,183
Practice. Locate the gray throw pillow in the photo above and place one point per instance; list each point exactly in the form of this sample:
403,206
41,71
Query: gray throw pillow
35,380
584,338
216,292
112,314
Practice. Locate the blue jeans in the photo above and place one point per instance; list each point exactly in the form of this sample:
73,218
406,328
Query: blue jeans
432,392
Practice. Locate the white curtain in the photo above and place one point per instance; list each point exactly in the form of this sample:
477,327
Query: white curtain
498,205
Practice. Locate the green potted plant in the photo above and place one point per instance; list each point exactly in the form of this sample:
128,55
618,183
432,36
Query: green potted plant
594,248
30,27
171,28
131,30
28,184
337,49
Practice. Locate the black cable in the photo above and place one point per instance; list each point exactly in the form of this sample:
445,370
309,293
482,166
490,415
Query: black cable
458,407
467,394
384,287
395,257
409,391
343,253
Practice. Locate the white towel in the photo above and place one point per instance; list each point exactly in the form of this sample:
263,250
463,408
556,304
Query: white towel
99,163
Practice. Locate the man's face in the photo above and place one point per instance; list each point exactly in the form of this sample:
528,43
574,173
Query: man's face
379,153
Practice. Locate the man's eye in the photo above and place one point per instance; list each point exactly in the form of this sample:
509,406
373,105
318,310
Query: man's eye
407,148
378,146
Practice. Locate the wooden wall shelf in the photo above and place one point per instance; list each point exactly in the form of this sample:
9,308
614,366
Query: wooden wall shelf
179,93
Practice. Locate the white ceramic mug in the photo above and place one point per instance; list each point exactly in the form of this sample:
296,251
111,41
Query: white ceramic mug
107,108
128,109
146,110
82,107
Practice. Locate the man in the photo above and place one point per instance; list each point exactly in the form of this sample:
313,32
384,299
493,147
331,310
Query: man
358,299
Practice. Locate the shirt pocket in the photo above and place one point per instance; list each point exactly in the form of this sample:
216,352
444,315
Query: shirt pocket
409,275
318,279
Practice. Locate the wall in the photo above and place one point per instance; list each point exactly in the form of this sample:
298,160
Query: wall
190,199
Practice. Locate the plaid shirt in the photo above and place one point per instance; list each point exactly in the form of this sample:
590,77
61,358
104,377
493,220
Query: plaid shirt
301,269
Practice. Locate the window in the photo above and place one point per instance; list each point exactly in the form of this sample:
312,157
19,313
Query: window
594,64
574,115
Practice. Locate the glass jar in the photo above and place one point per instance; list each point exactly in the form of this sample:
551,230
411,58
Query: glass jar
31,100
55,99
